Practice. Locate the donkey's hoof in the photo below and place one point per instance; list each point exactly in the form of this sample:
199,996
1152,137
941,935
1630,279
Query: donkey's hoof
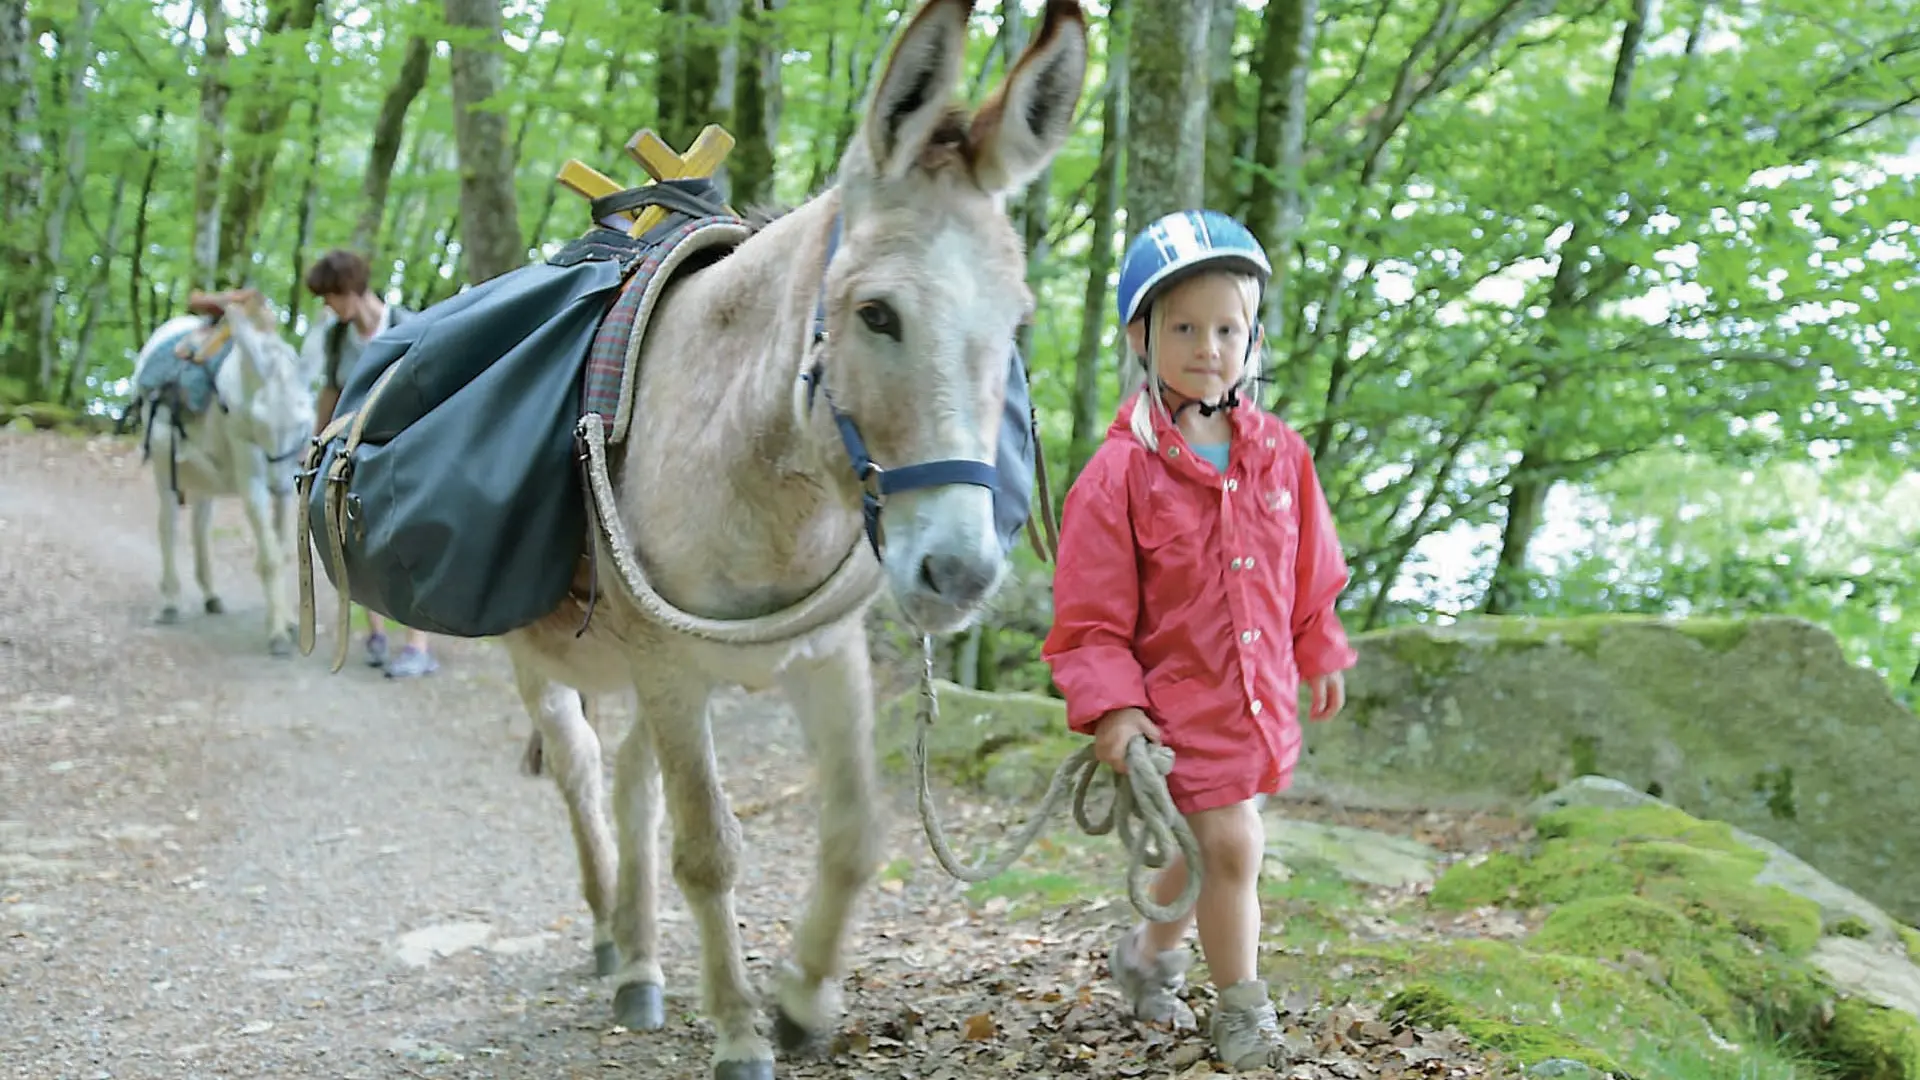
606,958
280,645
789,1034
168,615
641,1006
214,606
743,1070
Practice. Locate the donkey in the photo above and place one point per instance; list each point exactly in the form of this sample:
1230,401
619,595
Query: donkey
241,443
884,306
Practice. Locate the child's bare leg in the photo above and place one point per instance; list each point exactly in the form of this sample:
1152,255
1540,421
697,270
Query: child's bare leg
1232,841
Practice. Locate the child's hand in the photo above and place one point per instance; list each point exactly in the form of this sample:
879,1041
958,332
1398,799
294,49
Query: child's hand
1329,695
1115,733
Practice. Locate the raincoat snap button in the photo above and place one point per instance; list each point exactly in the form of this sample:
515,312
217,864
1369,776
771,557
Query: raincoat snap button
1257,706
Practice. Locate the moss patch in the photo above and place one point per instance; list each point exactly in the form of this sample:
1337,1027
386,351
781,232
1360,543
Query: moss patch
1437,651
1529,1005
1867,1042
1529,1044
1912,937
1695,867
1672,899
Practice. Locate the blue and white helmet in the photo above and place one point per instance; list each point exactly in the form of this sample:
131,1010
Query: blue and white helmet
1181,242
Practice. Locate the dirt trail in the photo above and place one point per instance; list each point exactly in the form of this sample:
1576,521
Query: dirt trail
213,863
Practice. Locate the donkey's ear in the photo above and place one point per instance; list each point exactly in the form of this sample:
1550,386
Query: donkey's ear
1029,117
912,97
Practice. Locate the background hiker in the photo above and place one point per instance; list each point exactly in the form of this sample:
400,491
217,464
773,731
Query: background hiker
1195,590
355,315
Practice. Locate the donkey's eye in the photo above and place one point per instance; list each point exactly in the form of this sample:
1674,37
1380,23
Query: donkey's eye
880,318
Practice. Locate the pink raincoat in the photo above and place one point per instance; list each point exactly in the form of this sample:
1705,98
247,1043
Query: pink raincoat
1201,599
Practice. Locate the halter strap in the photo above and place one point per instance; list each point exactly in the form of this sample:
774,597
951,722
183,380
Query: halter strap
877,482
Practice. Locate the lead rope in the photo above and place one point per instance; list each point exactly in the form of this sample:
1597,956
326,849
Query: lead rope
1150,826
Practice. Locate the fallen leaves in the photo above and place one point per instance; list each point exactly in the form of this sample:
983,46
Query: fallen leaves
980,1027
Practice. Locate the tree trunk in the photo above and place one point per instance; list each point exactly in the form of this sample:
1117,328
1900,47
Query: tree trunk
1224,122
214,92
489,208
76,52
134,292
693,50
858,75
303,224
387,133
756,105
1533,478
1167,120
20,162
1275,197
1088,425
268,98
76,381
1526,496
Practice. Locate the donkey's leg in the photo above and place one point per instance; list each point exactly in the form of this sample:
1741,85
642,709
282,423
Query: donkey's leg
203,555
831,694
637,810
169,573
673,708
283,521
572,754
267,560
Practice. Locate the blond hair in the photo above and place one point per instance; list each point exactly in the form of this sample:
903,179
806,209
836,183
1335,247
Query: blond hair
1141,421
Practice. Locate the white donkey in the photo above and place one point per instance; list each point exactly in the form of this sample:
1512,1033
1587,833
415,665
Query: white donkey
876,319
243,443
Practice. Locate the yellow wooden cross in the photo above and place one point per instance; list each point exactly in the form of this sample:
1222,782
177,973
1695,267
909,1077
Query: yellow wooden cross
702,159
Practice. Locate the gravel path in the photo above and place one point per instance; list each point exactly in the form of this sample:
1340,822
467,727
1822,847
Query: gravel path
217,864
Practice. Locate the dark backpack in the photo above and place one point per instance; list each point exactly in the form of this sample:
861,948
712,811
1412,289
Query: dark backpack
445,493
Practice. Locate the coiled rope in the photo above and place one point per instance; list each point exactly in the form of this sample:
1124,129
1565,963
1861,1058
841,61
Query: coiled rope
1142,810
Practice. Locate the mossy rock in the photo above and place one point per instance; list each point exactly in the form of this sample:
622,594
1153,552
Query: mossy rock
1005,744
1912,939
42,414
1675,900
1497,711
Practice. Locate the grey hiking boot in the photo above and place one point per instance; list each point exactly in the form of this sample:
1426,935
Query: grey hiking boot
412,663
1152,986
1246,1029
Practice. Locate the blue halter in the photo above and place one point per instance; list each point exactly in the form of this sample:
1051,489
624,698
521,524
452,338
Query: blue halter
876,483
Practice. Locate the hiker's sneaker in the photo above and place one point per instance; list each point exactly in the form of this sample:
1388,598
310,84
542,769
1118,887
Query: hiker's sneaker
1246,1029
412,663
376,650
1152,985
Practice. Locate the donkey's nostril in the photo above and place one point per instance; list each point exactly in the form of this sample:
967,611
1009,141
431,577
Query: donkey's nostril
956,579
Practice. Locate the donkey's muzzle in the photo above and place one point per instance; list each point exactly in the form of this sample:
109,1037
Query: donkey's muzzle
960,580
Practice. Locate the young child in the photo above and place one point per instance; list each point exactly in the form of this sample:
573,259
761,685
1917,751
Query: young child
1194,592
